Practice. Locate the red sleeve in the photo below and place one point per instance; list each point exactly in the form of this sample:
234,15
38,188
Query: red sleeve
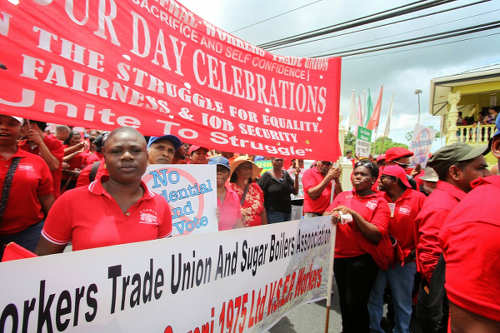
428,243
45,186
166,222
83,178
381,217
55,147
58,225
308,180
471,251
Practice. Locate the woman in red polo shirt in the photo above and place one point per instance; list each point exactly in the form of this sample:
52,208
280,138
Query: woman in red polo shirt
28,197
114,209
362,219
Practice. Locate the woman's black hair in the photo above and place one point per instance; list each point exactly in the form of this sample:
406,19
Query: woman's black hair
369,165
66,142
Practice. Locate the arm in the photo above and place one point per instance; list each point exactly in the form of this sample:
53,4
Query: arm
46,201
315,191
46,247
68,157
263,215
45,153
296,182
72,149
428,242
369,230
463,321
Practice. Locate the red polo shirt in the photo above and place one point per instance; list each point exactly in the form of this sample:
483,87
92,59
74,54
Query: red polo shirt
402,225
31,180
89,217
57,149
436,208
349,240
84,176
471,248
311,178
94,157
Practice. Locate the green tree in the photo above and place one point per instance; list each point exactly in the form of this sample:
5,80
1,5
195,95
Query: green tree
349,142
383,143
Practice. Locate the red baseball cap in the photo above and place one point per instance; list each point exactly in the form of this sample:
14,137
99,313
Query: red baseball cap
398,172
394,153
194,148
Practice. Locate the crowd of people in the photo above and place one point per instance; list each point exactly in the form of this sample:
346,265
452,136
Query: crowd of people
426,237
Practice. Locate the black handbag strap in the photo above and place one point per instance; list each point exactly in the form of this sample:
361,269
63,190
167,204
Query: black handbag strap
93,171
7,184
244,194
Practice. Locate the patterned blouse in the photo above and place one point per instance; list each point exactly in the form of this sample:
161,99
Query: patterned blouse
253,205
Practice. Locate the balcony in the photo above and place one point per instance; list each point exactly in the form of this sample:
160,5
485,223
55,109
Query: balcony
475,134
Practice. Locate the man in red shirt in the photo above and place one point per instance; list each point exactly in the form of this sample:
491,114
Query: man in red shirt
114,209
471,249
317,184
47,146
29,196
404,204
457,165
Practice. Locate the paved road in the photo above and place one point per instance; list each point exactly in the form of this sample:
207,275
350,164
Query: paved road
309,318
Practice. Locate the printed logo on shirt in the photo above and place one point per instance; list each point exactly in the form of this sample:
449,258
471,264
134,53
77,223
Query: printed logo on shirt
148,216
404,210
25,167
372,204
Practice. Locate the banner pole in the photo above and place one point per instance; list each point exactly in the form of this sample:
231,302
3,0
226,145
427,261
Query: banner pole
330,278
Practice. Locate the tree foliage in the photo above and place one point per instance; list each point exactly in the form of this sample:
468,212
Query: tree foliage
383,143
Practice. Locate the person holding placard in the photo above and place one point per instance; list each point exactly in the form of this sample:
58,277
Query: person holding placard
113,209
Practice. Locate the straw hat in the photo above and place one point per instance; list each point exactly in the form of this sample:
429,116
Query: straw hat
242,159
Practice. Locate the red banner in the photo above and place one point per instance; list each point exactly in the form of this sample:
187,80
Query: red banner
156,66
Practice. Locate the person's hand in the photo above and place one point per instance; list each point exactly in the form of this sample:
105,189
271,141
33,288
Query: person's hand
297,170
343,210
333,173
34,136
65,165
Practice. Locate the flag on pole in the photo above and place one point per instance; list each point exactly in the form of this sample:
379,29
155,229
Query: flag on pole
369,108
388,121
374,119
360,112
353,116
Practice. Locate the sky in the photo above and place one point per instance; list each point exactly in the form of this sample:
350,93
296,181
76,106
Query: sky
401,71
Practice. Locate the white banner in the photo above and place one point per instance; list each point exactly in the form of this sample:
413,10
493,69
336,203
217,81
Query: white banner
240,280
191,192
363,148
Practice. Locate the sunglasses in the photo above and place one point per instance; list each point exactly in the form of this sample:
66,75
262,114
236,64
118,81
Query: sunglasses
326,163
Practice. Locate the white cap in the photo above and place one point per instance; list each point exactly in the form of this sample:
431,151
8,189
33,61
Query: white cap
19,119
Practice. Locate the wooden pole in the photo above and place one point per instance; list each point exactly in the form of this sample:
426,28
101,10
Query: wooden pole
330,277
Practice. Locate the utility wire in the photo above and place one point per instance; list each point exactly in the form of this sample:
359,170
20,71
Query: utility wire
420,29
423,47
276,16
413,41
377,26
354,23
